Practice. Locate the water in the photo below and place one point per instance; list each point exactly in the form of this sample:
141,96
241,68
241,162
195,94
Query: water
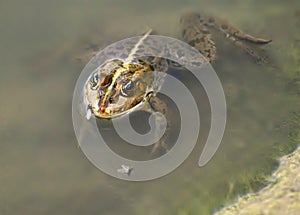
43,169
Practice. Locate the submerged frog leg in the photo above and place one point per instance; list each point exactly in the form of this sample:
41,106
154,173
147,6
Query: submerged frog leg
232,31
259,59
196,32
248,49
238,37
155,105
197,35
158,105
242,36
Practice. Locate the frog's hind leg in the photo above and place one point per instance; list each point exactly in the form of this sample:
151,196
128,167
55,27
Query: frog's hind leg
231,31
156,105
198,35
196,31
259,59
240,39
242,36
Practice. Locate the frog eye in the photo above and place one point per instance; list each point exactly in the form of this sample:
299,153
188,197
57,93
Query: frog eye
127,88
94,80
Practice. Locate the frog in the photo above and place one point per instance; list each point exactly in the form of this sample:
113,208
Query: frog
122,86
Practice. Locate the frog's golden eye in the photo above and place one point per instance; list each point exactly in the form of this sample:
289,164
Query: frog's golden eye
94,80
127,88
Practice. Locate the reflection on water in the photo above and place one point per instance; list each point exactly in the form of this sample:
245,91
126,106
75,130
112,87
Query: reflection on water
44,172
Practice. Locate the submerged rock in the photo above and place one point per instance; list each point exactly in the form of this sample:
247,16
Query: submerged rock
282,196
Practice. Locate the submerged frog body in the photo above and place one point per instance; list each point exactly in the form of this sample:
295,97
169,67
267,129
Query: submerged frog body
122,86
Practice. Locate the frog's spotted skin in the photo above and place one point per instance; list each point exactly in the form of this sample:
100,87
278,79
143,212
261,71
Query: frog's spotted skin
121,86
196,30
197,34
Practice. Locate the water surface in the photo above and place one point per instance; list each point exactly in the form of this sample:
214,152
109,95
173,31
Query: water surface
43,169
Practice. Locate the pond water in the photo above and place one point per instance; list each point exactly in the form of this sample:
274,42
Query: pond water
44,170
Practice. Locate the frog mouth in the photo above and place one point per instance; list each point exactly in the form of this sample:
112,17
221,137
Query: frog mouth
122,107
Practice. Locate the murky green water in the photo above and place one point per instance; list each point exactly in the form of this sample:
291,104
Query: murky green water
43,171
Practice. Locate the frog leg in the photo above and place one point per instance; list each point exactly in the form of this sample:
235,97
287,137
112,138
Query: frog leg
240,43
242,36
159,105
259,59
231,31
155,105
239,38
196,32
